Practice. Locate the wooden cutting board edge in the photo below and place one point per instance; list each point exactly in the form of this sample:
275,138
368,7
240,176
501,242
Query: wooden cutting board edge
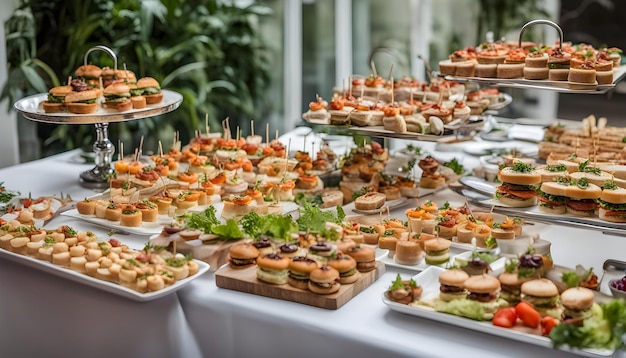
244,280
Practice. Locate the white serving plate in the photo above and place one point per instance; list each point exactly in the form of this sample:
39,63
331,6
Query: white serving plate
429,281
100,284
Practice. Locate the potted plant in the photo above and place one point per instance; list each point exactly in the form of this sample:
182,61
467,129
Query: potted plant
209,51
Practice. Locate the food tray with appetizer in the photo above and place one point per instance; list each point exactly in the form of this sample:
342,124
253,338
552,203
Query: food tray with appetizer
317,276
571,199
477,304
562,67
140,275
32,108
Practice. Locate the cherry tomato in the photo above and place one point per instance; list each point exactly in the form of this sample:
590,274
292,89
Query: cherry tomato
528,314
505,317
547,323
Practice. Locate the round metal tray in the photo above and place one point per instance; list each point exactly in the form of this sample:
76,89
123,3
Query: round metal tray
31,107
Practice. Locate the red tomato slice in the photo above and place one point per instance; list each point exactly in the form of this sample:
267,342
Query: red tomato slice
528,314
505,317
547,323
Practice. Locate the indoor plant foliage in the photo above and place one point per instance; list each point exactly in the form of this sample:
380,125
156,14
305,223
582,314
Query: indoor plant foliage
208,51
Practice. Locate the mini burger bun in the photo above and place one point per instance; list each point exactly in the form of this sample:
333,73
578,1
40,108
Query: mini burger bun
577,298
72,99
344,263
365,258
540,288
482,284
117,88
273,262
89,71
455,277
242,251
508,175
327,277
53,107
60,91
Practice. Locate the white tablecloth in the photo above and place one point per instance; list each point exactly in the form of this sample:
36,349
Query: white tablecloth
44,315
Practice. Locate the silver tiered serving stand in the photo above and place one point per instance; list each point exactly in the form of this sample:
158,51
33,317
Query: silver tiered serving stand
97,177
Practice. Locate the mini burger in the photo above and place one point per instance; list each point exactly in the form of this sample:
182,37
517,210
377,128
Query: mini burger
117,96
511,285
543,295
577,303
150,89
242,255
519,184
485,290
323,249
451,285
581,197
346,266
365,258
90,74
300,269
437,251
552,197
273,268
612,203
56,99
324,280
83,102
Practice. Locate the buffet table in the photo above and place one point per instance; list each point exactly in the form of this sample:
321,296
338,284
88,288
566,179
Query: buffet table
43,315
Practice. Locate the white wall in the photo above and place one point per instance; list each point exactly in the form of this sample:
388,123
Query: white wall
8,122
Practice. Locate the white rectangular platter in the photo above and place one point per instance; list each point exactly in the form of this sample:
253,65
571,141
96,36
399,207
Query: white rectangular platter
429,280
101,284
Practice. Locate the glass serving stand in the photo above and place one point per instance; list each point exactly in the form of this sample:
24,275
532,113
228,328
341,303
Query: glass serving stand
97,177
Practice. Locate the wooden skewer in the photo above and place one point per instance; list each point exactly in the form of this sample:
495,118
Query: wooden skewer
237,134
349,86
392,96
206,124
390,74
373,66
304,145
160,150
267,133
140,146
69,79
252,127
276,138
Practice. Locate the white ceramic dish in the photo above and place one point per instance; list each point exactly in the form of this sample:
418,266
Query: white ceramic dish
429,280
100,284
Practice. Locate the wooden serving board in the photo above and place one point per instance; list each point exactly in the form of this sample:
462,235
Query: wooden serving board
245,280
